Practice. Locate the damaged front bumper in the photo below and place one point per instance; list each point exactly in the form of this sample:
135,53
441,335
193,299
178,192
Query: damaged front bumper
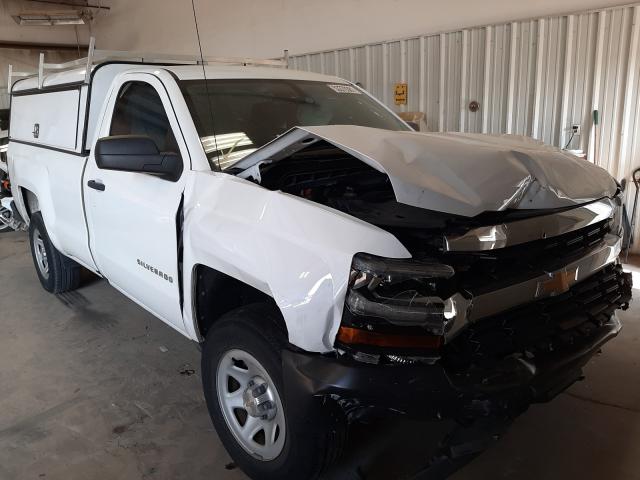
500,366
429,391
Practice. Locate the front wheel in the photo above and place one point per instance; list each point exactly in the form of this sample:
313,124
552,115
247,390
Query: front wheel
243,386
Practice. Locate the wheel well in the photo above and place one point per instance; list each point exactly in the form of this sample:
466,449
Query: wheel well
30,201
216,293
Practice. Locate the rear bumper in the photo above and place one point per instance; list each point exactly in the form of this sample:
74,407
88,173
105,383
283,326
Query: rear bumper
429,391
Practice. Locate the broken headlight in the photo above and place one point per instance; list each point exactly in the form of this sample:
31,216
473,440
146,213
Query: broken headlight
397,304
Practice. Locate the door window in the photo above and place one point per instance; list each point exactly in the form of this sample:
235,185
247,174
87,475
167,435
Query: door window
139,111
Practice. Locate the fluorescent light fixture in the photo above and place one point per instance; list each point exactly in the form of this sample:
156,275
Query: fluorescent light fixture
226,141
231,147
65,17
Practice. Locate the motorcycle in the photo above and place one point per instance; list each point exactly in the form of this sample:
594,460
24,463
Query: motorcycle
8,219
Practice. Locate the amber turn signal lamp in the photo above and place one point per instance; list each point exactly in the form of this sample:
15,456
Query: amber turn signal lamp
356,336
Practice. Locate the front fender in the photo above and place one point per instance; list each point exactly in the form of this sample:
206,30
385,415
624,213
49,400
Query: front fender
294,250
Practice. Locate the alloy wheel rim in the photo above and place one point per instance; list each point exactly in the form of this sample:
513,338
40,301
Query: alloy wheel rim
251,405
41,254
6,215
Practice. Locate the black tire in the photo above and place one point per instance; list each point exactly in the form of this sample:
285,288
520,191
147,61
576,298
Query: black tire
307,452
62,274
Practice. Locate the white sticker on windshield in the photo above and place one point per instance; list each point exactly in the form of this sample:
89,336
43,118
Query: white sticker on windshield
345,89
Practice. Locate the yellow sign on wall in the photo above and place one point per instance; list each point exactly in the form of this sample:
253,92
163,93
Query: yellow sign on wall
401,93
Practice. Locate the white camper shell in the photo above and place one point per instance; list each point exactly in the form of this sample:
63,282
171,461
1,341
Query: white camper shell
72,93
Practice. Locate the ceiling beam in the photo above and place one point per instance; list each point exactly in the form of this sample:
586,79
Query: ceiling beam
41,46
72,4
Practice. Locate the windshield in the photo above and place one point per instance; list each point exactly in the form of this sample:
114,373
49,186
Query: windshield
249,113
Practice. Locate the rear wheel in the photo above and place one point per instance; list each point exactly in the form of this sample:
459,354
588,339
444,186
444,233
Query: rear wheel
56,272
243,385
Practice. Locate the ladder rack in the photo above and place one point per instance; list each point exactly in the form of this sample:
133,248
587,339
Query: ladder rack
13,75
96,57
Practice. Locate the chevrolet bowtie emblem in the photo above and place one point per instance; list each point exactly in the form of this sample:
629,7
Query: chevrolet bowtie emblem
558,283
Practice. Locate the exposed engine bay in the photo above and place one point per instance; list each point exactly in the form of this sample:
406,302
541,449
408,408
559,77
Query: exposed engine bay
325,174
329,176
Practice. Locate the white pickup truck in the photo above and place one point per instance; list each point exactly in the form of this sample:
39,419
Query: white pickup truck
333,263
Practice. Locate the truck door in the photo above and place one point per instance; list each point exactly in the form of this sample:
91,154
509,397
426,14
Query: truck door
132,216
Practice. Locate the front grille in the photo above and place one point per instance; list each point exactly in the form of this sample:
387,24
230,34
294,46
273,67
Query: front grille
479,272
544,327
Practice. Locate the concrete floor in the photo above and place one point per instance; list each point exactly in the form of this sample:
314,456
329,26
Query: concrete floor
93,387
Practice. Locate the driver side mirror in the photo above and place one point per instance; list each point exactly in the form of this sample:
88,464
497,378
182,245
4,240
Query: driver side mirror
137,153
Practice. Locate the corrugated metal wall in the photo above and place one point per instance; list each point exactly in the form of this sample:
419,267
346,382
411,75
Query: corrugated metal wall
4,98
535,77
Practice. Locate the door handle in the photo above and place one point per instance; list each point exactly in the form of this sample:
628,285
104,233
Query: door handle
96,185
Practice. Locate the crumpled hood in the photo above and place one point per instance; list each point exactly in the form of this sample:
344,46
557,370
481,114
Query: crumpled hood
461,174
